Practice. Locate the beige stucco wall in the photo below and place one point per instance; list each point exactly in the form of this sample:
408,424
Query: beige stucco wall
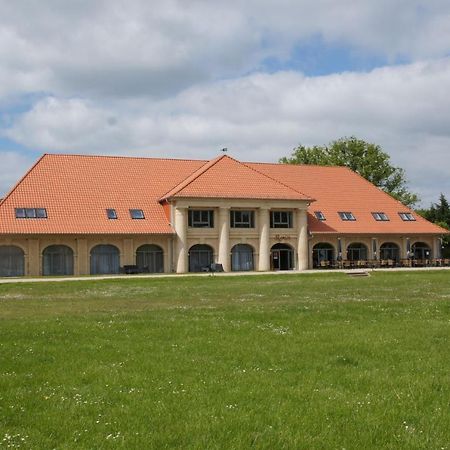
33,247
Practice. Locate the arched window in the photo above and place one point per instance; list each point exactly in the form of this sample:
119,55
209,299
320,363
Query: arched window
389,250
282,257
105,259
150,258
420,250
200,258
357,252
57,260
323,254
12,261
242,257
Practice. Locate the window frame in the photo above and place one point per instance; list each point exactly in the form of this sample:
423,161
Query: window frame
241,222
347,216
407,217
320,216
380,216
204,219
280,223
111,214
30,213
134,216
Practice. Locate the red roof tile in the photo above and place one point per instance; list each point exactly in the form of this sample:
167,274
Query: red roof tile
77,190
340,189
225,177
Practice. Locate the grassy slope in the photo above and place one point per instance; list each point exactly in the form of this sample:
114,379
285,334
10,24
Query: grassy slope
311,361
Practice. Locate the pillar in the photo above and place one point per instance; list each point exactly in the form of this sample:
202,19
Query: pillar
302,243
375,250
224,239
82,266
264,241
128,258
181,255
34,258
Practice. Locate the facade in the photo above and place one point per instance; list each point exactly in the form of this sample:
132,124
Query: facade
79,215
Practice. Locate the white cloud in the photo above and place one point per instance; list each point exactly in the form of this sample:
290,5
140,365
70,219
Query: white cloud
13,166
103,48
263,117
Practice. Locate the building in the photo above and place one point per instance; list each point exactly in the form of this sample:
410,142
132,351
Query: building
95,214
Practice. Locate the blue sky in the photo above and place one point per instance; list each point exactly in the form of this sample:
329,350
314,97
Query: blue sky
185,79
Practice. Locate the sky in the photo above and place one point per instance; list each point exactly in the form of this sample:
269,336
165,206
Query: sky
186,78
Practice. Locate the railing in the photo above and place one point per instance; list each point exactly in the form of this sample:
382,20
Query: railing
382,263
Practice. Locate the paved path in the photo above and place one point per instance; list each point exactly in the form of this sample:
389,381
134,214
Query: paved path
222,274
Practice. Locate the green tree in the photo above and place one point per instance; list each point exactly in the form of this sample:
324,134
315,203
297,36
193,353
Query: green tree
439,213
367,159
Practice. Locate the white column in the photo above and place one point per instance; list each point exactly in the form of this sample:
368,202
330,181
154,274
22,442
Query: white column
181,256
302,243
264,241
224,239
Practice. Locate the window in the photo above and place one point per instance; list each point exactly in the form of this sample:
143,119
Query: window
31,213
242,219
320,215
406,216
346,215
111,213
380,216
137,214
201,218
280,219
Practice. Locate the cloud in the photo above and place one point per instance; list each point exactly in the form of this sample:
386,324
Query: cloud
263,117
102,49
13,166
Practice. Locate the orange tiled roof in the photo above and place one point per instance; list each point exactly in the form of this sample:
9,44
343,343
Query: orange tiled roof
341,189
225,177
76,191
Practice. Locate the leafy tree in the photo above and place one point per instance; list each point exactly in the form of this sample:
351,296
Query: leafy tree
367,159
439,213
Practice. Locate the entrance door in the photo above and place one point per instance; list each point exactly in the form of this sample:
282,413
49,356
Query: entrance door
282,257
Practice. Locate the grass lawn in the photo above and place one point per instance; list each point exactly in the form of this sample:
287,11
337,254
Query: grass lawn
274,362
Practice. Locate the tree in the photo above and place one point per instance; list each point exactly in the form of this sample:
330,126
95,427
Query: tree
439,213
367,159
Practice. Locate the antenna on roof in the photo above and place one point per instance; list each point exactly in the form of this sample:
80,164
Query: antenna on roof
224,150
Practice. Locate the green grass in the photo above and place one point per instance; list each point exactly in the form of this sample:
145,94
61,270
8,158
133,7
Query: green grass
273,362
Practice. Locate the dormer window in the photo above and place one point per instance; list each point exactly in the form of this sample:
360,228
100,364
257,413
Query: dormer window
407,216
320,215
380,216
137,214
31,213
111,214
346,215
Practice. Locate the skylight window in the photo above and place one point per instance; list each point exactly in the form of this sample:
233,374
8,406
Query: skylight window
380,216
137,214
111,213
407,216
31,213
346,215
320,215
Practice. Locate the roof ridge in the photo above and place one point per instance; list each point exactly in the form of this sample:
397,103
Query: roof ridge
80,155
3,200
192,177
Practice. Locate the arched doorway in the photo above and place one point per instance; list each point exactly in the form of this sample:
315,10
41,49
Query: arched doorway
323,254
420,250
57,260
357,252
150,258
105,259
389,250
12,261
200,257
282,257
242,258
